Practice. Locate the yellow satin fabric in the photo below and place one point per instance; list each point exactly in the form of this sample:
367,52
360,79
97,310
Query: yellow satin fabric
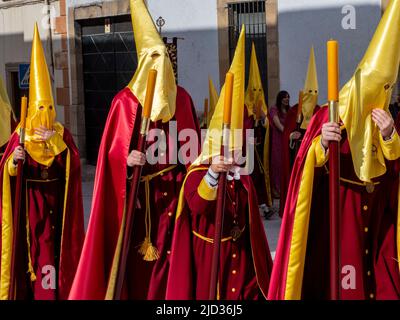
5,115
371,87
6,234
41,110
310,91
152,54
255,91
213,99
298,245
44,152
206,192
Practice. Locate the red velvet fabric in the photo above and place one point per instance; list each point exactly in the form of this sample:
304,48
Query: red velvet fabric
376,270
245,264
52,243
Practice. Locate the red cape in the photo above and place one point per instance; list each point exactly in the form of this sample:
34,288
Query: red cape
73,232
279,272
290,126
279,278
180,278
109,194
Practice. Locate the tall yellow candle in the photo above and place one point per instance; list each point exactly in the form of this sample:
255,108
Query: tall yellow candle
228,97
333,70
24,106
148,101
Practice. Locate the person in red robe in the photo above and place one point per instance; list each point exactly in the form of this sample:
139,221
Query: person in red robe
52,228
296,125
149,253
277,116
255,118
369,188
245,260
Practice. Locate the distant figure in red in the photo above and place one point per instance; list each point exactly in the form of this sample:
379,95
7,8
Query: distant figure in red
278,118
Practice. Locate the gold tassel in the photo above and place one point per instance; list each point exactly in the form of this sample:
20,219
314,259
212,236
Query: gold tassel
32,273
144,246
151,253
147,249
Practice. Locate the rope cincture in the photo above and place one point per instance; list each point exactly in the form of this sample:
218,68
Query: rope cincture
146,248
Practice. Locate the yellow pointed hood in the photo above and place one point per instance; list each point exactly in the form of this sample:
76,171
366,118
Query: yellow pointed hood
5,115
41,108
213,99
152,54
371,87
310,91
255,90
212,142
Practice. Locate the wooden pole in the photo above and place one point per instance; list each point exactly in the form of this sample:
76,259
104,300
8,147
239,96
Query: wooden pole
17,202
334,170
137,172
221,193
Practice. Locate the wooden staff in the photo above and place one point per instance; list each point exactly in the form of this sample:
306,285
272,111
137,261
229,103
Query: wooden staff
334,170
299,120
205,121
221,193
137,173
258,112
17,202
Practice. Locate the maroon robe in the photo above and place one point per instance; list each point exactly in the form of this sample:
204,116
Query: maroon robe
368,229
245,264
47,238
144,279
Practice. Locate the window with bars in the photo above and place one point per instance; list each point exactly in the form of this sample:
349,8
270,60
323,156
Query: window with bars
252,15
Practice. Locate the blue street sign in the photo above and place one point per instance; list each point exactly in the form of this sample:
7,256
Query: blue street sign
23,75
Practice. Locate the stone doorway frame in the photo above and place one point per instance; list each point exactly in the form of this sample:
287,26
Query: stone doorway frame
271,12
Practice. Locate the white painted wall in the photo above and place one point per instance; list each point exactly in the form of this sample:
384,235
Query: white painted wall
303,23
196,22
16,33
